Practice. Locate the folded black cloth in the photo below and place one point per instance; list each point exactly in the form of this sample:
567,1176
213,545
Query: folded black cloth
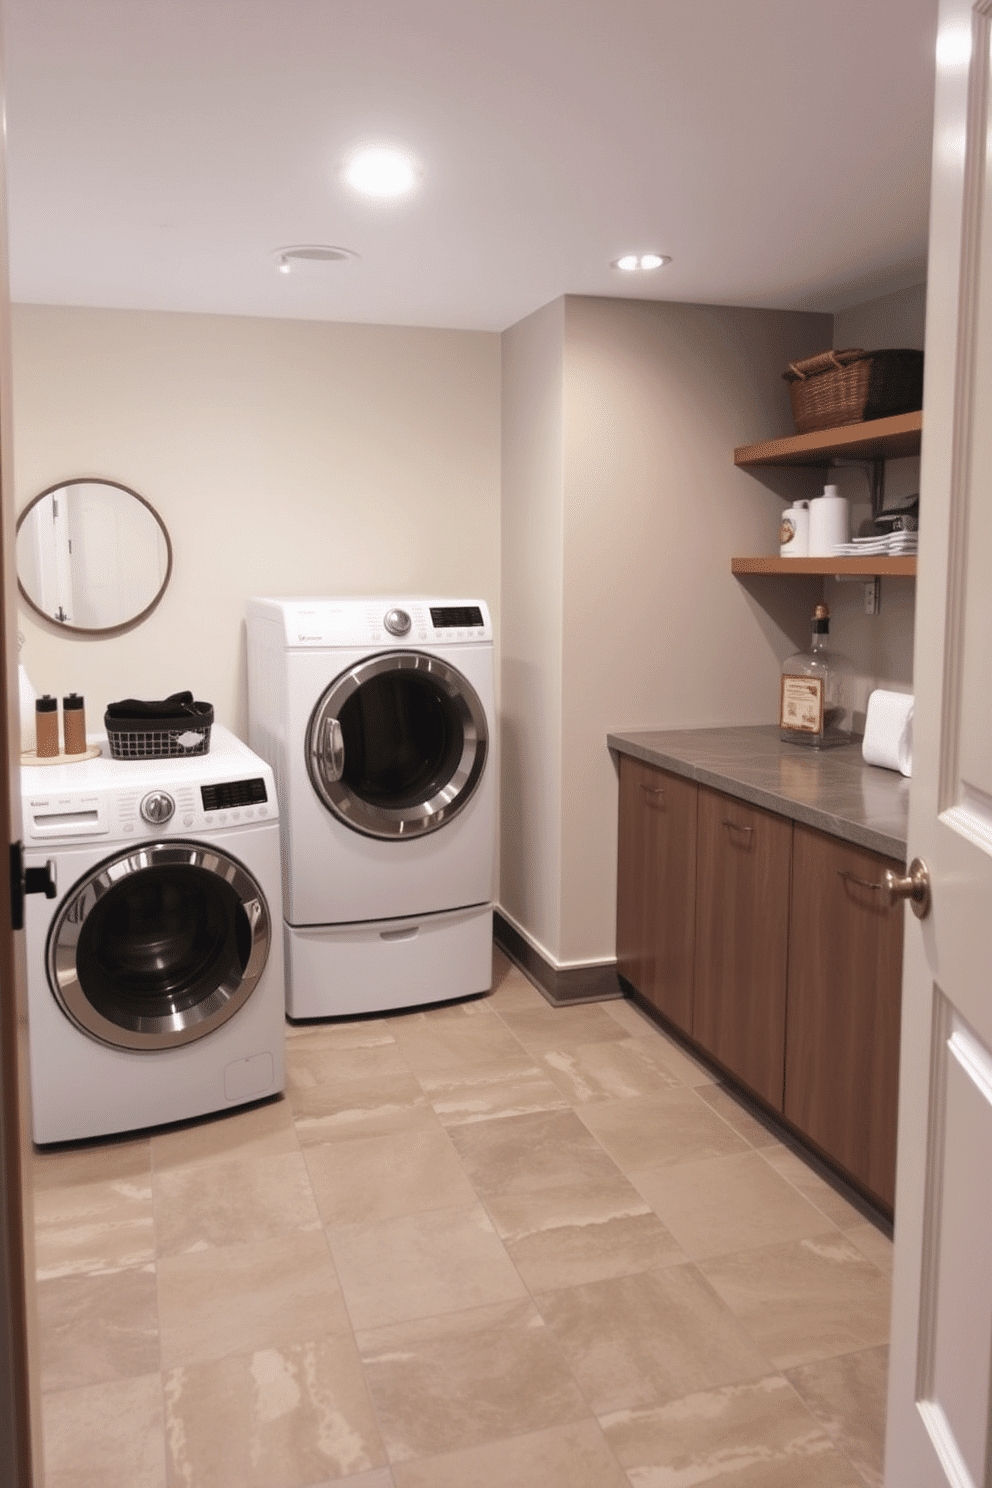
176,706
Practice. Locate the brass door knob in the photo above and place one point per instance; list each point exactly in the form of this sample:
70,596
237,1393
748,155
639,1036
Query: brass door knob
915,887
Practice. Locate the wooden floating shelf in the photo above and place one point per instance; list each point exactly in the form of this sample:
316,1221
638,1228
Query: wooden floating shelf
870,567
882,439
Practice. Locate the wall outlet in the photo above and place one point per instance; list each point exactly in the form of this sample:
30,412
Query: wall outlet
873,596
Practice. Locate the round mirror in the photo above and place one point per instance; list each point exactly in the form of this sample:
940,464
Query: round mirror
92,556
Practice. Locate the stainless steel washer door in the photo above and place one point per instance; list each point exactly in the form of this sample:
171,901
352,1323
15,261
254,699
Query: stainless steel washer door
397,745
159,946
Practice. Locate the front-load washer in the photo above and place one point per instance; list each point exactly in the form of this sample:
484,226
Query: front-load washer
377,716
155,970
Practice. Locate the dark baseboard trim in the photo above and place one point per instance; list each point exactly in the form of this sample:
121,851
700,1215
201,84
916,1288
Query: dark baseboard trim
561,988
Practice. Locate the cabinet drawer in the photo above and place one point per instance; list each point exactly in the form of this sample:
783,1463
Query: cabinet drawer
845,975
742,933
656,874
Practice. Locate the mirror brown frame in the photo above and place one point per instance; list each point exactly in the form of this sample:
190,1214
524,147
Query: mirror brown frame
133,620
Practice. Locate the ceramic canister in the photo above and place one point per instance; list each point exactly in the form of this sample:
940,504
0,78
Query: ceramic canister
829,523
793,531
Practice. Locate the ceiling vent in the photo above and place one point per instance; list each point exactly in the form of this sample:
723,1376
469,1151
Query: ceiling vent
310,256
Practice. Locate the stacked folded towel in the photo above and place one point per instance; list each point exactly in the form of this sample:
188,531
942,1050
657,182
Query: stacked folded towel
891,545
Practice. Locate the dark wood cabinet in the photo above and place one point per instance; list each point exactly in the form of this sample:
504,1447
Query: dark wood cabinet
845,975
765,942
743,857
656,883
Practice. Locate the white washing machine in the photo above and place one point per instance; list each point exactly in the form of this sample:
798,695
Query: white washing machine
377,716
155,977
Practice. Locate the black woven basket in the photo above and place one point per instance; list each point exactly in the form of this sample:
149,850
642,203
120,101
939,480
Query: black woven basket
836,388
160,738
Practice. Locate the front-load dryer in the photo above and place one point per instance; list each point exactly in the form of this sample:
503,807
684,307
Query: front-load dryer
155,970
377,716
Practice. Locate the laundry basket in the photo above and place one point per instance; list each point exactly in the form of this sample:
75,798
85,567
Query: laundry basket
835,388
170,729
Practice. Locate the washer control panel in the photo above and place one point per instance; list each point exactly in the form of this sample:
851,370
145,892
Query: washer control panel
135,811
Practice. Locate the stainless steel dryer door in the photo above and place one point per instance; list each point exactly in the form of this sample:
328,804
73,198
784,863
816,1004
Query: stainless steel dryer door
159,946
397,745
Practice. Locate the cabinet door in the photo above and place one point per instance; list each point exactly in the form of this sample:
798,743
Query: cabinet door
742,931
656,873
845,973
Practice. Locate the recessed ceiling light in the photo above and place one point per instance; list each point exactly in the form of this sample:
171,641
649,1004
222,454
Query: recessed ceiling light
382,172
632,262
310,256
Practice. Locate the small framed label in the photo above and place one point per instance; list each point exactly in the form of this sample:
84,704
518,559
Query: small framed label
801,705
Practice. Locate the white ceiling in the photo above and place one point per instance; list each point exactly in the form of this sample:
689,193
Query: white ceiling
160,150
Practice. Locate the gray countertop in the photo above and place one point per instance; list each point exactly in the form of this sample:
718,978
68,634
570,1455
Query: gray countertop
830,789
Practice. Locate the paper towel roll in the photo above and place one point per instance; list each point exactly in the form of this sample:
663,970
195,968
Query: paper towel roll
888,739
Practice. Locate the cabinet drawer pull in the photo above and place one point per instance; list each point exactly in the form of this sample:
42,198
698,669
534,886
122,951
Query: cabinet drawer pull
736,826
862,883
655,791
916,887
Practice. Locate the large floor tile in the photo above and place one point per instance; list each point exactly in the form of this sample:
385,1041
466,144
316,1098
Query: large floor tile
106,1436
513,1085
641,1340
312,1062
872,1243
574,1456
561,1237
373,1106
542,1028
847,1396
258,1131
674,1126
470,1036
607,1070
803,1176
807,1300
97,1328
422,1264
755,1435
726,1104
124,1160
240,1298
637,1024
520,1154
340,1033
275,1418
375,1178
728,1204
230,1203
444,1383
94,1228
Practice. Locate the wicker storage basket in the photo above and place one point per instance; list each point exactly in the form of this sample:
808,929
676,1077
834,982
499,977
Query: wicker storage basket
854,386
161,737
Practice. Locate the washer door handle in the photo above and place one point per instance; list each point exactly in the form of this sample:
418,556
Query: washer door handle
331,750
28,881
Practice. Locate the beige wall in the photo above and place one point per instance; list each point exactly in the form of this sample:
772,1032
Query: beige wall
531,609
656,631
284,457
879,647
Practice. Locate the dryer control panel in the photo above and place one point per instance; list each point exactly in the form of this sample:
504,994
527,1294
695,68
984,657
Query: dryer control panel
360,622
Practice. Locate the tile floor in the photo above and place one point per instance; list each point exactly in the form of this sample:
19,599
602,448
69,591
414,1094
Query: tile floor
486,1244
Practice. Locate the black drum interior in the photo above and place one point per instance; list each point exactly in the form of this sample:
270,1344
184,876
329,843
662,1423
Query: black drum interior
402,739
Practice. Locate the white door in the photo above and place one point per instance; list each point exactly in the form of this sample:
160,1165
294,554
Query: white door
940,1382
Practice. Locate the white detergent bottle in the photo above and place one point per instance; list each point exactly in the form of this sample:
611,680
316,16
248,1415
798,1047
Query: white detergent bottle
829,523
27,701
